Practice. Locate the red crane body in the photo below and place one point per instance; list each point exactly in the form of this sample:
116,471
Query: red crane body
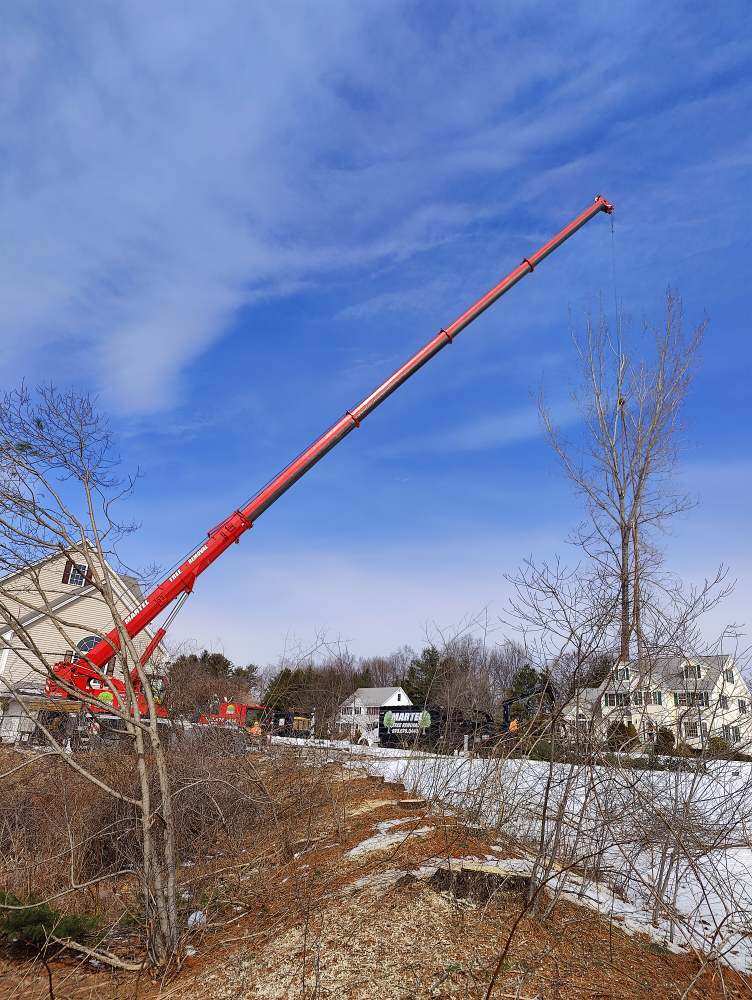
182,580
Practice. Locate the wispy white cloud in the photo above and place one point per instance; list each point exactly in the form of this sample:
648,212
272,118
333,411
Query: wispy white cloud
373,598
165,165
498,430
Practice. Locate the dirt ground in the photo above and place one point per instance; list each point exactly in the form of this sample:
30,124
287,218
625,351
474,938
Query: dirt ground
357,910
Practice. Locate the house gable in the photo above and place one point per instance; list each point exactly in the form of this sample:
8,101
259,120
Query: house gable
50,590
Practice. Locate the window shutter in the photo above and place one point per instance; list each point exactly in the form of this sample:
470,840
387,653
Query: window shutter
67,571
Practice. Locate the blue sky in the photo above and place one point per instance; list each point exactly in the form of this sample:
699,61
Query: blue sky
231,220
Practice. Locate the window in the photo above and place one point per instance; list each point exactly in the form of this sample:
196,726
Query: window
399,696
723,702
742,706
691,673
617,701
693,730
581,724
620,674
732,734
647,698
84,646
76,574
685,699
728,675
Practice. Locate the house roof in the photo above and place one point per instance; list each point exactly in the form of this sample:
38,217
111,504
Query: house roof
133,585
375,697
668,671
664,673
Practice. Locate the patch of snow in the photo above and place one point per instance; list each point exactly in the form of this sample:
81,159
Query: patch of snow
383,839
378,880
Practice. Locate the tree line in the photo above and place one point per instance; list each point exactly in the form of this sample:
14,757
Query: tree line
463,674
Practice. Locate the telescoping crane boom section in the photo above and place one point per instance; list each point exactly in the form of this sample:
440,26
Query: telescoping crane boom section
182,580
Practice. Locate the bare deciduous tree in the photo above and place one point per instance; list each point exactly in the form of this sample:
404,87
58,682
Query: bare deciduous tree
58,498
623,464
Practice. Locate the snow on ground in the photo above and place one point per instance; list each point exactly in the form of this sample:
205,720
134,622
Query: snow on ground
382,840
619,816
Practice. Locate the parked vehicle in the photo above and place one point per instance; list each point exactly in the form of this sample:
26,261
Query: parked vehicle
432,728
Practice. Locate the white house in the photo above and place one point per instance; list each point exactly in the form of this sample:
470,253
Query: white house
694,697
45,599
359,713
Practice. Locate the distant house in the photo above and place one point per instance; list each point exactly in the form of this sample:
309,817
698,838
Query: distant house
55,589
359,713
696,698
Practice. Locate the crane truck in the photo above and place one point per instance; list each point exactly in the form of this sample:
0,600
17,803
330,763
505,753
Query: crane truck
87,680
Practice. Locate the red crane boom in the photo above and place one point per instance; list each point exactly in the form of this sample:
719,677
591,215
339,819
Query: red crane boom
183,579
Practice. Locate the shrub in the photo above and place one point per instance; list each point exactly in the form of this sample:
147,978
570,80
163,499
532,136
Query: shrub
718,747
618,736
36,923
664,740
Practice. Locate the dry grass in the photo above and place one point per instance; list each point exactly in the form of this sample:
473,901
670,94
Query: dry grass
292,914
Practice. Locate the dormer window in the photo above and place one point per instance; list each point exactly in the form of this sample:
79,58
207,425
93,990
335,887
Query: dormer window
692,672
620,674
76,574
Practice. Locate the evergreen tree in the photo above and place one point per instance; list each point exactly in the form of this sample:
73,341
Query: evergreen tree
424,675
664,740
528,689
363,678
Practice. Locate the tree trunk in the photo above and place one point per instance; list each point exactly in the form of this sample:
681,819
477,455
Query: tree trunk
636,596
625,629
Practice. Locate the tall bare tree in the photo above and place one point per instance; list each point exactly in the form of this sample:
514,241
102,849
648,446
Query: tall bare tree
630,398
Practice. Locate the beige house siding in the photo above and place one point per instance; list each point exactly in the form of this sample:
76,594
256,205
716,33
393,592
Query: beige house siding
86,614
33,587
